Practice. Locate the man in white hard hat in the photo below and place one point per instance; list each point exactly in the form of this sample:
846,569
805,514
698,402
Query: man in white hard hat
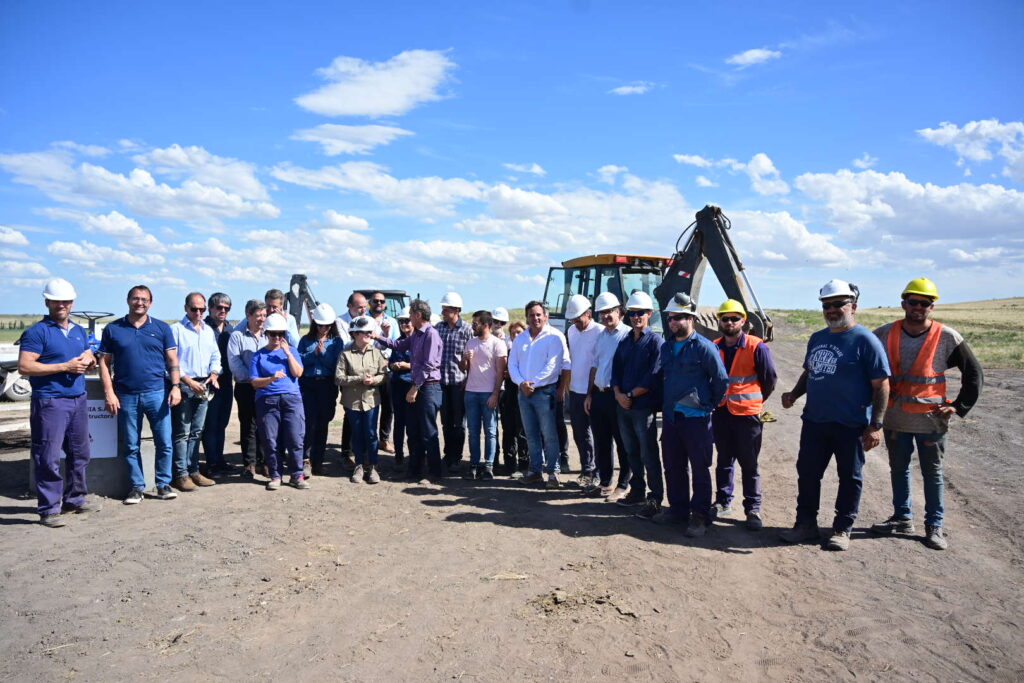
582,336
241,346
846,379
539,364
455,334
54,354
636,382
920,350
601,405
199,357
142,353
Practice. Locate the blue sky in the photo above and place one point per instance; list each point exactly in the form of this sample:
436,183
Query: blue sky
468,146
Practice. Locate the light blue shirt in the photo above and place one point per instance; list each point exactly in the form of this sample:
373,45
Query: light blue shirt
241,347
604,353
198,354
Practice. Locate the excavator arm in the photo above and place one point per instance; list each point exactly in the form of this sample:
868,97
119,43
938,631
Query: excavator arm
300,297
709,243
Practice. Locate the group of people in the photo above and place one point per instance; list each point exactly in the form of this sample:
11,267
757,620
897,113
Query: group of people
611,372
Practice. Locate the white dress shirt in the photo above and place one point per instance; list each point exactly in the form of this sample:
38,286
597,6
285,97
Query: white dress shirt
604,352
539,359
198,353
582,346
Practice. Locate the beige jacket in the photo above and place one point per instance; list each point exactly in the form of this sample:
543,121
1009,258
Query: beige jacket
353,366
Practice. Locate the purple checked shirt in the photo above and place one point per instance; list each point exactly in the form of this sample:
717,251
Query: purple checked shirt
424,347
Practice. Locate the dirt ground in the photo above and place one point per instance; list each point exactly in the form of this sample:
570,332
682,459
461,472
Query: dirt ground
494,581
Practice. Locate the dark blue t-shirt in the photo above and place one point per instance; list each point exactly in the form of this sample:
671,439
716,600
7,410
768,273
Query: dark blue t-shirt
840,367
265,363
140,364
48,340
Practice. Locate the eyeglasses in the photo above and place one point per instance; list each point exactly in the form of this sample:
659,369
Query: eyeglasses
827,305
139,299
221,307
676,317
730,318
636,314
920,303
196,309
378,301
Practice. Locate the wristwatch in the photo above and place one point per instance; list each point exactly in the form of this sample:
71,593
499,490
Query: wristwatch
629,395
876,425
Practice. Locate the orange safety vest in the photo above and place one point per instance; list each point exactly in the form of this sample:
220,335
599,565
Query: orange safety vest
743,395
920,389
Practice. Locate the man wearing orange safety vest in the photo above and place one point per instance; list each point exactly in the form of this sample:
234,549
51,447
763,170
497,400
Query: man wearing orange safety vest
920,350
736,421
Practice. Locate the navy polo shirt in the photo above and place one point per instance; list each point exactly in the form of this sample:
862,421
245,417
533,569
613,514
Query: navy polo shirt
140,364
47,338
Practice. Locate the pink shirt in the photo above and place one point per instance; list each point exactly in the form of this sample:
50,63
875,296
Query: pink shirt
482,369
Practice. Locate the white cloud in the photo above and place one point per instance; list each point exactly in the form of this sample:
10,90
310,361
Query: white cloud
14,254
750,57
206,168
634,88
23,269
609,172
87,150
764,177
692,160
337,139
865,161
512,203
126,231
337,220
705,182
974,142
360,88
533,168
12,237
535,280
978,256
779,240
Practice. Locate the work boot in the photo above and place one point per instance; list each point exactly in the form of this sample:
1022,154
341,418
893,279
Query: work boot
649,509
199,480
839,540
802,532
372,477
87,506
183,484
357,475
553,482
934,538
387,446
633,498
486,474
533,478
894,525
698,527
53,521
754,521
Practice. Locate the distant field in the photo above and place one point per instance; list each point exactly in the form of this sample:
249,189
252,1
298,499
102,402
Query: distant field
992,327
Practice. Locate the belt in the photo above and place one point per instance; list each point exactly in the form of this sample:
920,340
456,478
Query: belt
431,381
602,389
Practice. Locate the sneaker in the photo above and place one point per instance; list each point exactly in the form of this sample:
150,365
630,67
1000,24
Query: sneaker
650,508
839,540
199,480
553,482
134,497
518,475
486,474
617,494
469,474
597,491
307,469
87,506
371,477
183,483
532,478
585,481
720,510
802,532
894,525
934,538
666,518
633,498
299,482
53,521
754,521
167,493
698,527
274,484
357,475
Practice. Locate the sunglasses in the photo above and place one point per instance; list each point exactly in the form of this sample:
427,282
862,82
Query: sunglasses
378,301
730,318
275,334
404,321
196,309
221,307
920,303
827,305
676,317
636,314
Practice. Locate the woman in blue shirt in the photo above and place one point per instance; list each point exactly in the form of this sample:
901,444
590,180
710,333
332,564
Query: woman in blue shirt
275,370
319,350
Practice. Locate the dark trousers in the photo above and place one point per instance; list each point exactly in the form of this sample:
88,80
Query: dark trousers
400,409
581,433
819,441
563,432
319,403
453,421
218,414
422,426
364,435
604,422
346,438
386,414
738,440
245,399
59,424
513,438
688,450
639,429
282,424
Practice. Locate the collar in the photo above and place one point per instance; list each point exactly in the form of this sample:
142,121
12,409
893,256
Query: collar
126,321
53,323
741,344
185,322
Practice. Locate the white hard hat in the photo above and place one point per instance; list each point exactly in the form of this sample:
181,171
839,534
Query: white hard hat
682,303
324,314
59,289
640,301
578,305
275,323
500,313
452,299
362,323
606,300
837,288
405,314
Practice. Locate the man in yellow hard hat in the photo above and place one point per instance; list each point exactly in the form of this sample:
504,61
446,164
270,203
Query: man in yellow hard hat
920,350
736,422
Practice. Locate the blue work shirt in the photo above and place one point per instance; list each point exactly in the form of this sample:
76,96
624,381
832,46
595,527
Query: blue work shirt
317,364
840,367
401,357
635,366
55,345
265,363
140,361
695,378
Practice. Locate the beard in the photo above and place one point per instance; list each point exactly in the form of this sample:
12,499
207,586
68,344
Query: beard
841,323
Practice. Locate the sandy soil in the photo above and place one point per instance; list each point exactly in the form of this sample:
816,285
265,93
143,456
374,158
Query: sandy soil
499,582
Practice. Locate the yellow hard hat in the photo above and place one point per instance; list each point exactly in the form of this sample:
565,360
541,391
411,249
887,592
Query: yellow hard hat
731,306
922,286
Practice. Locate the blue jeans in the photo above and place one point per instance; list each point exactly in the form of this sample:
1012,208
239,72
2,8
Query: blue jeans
539,423
930,449
639,429
187,420
477,414
422,426
364,434
218,414
152,404
819,441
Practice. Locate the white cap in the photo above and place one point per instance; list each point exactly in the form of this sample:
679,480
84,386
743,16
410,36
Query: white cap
275,323
324,314
578,305
682,303
500,313
837,288
362,323
606,300
59,289
640,301
452,299
405,314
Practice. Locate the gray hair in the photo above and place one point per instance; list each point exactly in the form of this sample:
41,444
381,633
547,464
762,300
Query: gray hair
218,298
254,305
420,306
